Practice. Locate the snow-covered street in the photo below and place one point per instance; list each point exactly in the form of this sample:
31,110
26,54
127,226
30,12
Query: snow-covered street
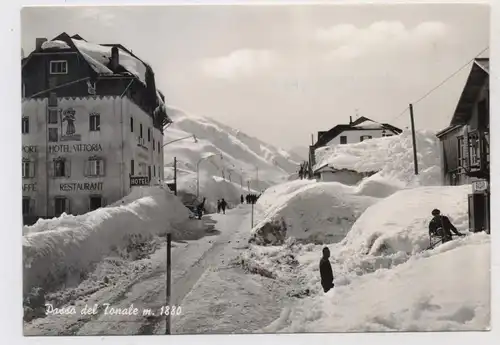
202,281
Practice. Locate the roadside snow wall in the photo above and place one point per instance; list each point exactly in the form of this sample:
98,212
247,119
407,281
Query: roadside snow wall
320,212
58,249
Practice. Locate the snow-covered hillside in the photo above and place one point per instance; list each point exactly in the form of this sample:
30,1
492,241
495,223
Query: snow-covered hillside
239,162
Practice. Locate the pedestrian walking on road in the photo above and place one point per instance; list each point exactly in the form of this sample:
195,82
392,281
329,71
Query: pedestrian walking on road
223,205
218,206
241,198
325,269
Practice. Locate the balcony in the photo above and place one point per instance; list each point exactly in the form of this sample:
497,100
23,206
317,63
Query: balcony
476,154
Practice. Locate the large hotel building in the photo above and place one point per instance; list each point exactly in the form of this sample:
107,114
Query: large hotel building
92,126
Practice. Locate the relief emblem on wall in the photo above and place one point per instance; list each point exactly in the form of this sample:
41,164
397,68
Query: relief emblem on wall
68,128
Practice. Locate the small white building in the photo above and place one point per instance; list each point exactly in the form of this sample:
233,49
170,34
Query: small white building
356,131
92,126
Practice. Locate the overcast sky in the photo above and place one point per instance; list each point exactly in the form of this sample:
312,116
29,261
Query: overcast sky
281,73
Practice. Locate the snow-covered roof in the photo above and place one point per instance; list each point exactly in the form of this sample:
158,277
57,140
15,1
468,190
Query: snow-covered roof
99,56
55,44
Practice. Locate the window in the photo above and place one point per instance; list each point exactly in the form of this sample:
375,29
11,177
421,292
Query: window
24,90
61,205
95,122
365,137
153,144
158,146
149,134
95,202
343,139
94,167
131,125
154,169
62,167
140,130
59,67
52,99
28,207
25,125
142,169
53,137
462,153
28,169
53,115
132,167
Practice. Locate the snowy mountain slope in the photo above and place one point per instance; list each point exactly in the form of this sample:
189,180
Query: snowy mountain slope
243,161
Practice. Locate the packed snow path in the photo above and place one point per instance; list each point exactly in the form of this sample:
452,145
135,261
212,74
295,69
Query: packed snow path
223,237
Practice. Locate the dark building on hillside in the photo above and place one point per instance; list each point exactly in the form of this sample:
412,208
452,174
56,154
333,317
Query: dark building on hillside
465,144
92,126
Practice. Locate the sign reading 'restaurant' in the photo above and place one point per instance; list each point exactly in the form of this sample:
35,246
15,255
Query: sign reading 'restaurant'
139,181
80,186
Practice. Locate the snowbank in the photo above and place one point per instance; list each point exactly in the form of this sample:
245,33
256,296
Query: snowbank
391,157
446,289
400,222
309,211
63,248
55,44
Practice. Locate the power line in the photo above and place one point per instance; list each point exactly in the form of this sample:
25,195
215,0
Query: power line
440,84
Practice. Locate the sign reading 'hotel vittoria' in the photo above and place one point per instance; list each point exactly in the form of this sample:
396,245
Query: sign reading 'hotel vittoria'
75,148
78,186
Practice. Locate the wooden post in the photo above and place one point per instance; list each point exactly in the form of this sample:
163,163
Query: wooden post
252,216
175,175
414,140
169,282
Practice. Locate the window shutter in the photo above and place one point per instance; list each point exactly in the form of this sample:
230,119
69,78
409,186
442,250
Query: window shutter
86,169
98,122
31,166
67,168
67,204
32,207
50,168
52,207
103,167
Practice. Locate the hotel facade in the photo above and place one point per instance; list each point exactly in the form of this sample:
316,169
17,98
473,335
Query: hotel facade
92,126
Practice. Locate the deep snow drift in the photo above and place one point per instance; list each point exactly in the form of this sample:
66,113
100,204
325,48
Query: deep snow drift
448,289
320,212
391,158
63,248
245,163
383,268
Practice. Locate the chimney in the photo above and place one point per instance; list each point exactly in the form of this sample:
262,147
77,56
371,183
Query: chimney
350,120
115,59
39,42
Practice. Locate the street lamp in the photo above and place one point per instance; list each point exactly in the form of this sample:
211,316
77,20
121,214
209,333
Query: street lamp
189,136
210,155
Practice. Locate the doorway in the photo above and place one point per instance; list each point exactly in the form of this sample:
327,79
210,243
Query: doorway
95,202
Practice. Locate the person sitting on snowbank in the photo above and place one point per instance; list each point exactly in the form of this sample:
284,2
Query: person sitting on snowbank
325,270
441,226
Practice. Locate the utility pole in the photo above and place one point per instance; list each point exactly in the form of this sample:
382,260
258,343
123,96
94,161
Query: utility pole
175,175
252,216
414,140
257,178
312,138
169,280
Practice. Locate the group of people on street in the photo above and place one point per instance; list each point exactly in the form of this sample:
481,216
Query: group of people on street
440,226
304,170
221,206
250,198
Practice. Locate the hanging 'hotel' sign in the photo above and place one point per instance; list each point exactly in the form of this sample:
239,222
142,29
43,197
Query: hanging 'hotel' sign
139,181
